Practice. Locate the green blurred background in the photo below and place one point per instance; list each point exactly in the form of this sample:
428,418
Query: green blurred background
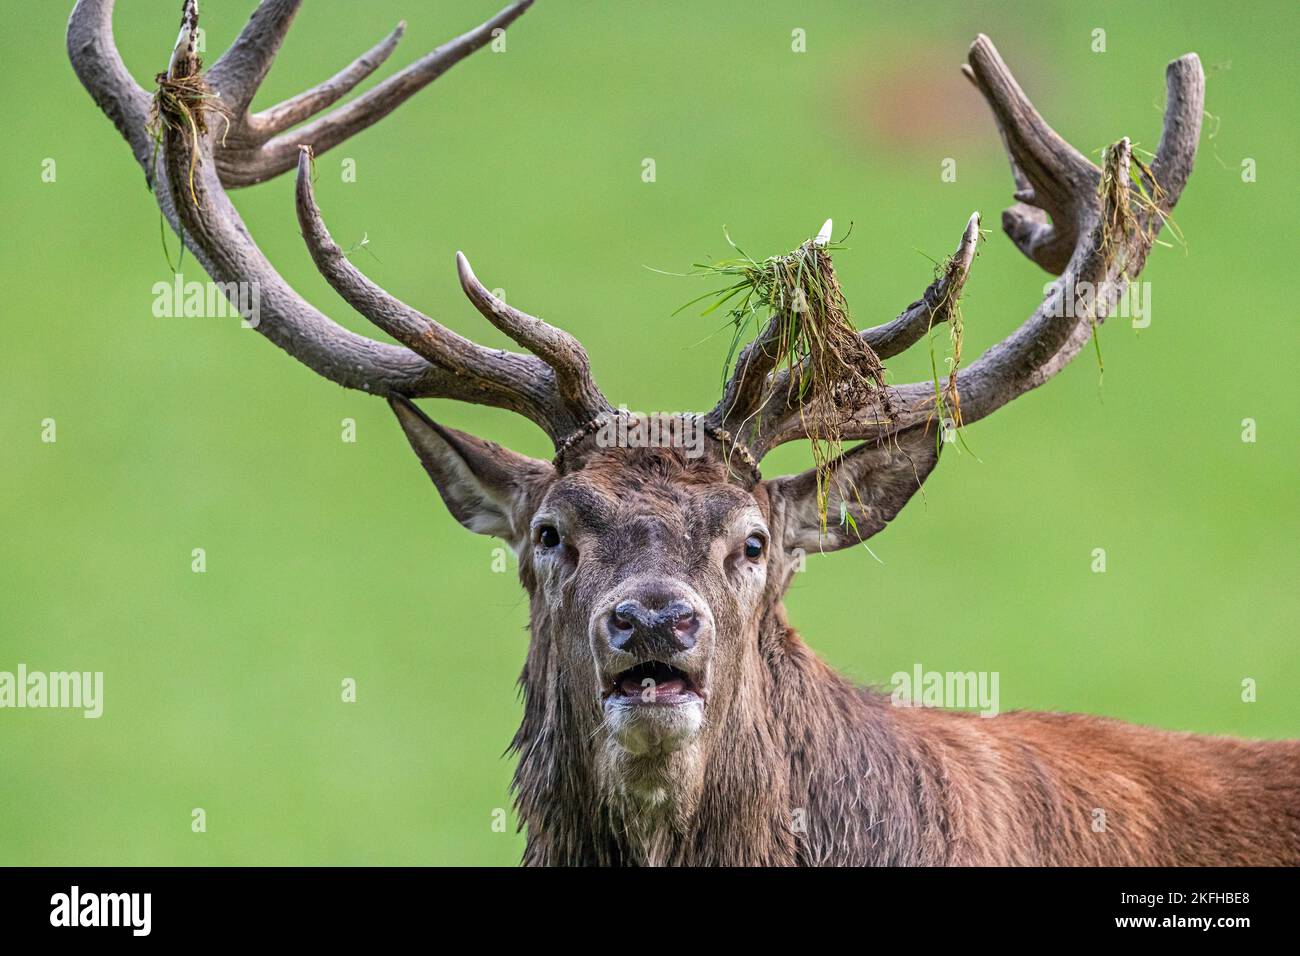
328,560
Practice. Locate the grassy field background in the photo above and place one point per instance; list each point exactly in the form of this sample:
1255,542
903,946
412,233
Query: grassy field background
328,560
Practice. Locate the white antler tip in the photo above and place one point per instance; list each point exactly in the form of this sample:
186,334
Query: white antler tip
824,235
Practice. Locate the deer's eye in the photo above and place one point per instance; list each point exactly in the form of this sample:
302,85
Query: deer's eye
547,536
754,547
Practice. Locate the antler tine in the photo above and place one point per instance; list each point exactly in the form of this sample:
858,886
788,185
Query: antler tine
1062,324
100,68
1028,358
1175,155
217,236
261,146
758,395
1184,109
238,73
435,362
557,348
480,375
297,109
1050,174
936,304
750,381
223,246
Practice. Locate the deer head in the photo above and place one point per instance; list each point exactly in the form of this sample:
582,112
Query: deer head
655,574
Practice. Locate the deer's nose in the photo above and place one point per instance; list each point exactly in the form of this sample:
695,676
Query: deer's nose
637,629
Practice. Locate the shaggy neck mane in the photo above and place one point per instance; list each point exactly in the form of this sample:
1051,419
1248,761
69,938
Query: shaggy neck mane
786,787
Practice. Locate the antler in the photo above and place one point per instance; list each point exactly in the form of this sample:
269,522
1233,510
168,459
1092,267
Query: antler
1085,224
207,141
1091,227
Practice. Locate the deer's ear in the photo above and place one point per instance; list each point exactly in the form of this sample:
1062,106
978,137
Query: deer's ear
868,486
487,488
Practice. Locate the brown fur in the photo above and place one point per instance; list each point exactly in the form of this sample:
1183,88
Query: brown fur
878,784
897,786
791,764
759,754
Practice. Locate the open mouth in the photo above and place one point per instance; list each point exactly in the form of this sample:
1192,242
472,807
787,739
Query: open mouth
653,683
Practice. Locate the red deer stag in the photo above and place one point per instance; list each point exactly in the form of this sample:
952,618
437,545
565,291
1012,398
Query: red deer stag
647,567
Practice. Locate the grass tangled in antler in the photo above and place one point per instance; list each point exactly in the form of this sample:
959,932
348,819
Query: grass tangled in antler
947,399
181,104
1123,198
1127,201
796,303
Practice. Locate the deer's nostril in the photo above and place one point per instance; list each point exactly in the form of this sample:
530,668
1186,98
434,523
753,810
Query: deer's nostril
685,627
625,615
623,624
635,628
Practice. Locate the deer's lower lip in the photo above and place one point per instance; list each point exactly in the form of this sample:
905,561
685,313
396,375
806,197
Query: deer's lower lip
653,684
